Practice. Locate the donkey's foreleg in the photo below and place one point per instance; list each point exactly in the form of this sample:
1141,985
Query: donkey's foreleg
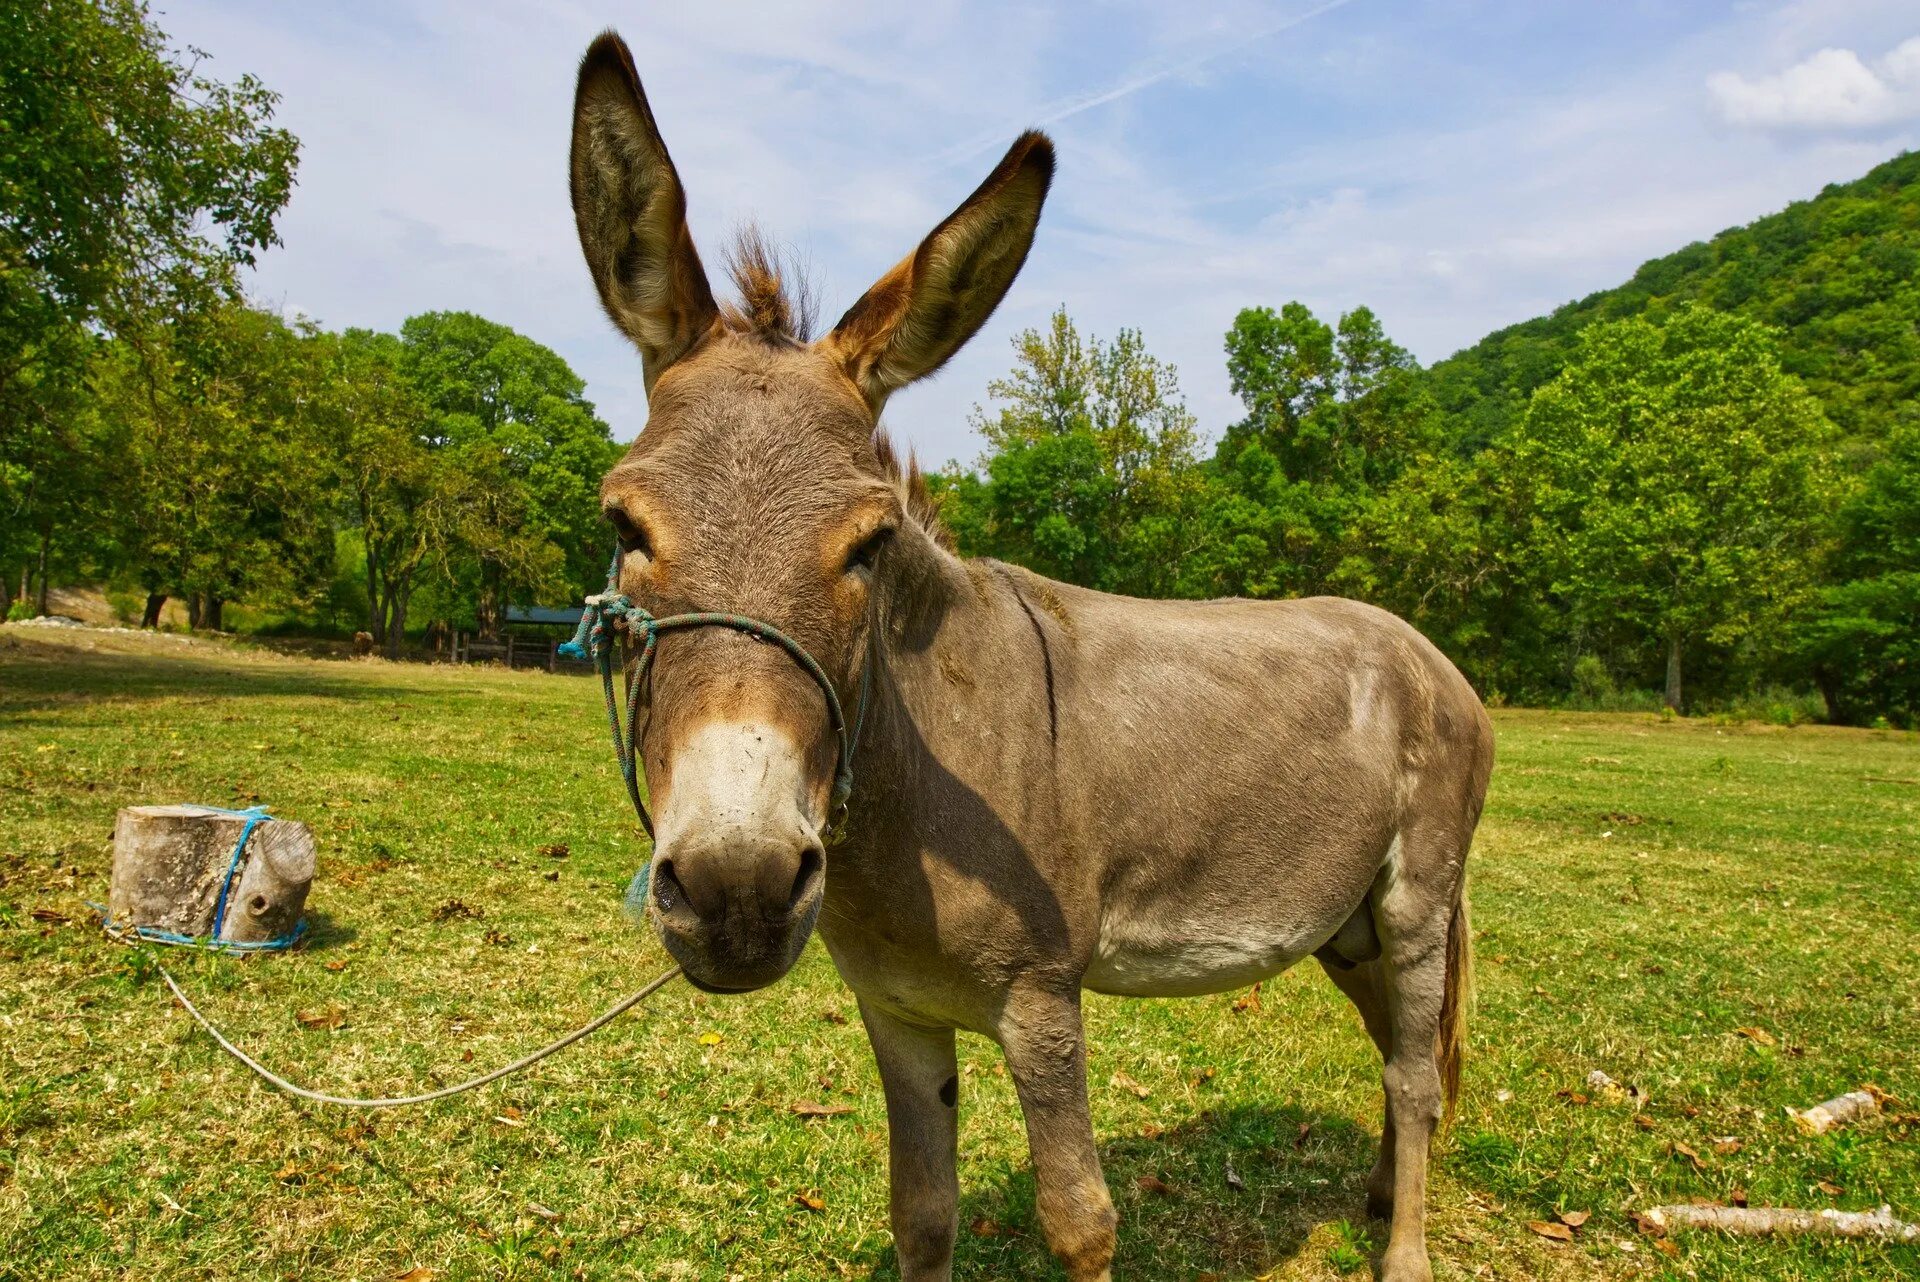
922,1084
1046,1052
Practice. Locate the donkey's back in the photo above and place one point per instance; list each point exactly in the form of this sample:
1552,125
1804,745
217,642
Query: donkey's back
1243,775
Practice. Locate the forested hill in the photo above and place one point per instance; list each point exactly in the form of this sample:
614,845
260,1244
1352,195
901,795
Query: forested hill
1839,274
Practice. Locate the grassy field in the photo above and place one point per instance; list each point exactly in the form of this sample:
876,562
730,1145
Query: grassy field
1643,892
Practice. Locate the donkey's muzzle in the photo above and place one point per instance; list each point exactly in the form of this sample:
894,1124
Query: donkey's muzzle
736,916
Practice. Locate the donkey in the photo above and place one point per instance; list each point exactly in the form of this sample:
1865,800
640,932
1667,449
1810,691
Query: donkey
1057,789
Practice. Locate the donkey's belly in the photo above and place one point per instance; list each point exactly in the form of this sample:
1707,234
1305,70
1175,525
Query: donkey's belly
1136,958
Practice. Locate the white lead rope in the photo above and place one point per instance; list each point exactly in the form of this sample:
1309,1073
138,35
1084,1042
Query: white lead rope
614,1012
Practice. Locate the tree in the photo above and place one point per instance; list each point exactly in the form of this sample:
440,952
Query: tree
130,187
514,414
1335,414
1678,478
215,480
1861,641
1090,471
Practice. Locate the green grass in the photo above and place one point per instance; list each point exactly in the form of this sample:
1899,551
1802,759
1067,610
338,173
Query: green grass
1642,889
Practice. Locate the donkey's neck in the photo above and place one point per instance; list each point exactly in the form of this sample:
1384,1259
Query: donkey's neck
962,687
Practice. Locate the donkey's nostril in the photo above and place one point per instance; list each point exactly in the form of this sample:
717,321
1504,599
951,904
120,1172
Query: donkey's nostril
667,890
812,867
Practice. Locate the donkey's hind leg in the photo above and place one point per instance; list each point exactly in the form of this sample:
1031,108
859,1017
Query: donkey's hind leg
1420,912
1365,985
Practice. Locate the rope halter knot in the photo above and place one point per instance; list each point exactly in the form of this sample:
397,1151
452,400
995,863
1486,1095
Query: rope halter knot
612,610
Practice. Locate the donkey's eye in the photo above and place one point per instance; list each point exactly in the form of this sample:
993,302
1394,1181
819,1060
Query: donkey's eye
632,536
865,551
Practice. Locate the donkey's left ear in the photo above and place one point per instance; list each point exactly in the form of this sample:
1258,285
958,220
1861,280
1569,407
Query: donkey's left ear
921,312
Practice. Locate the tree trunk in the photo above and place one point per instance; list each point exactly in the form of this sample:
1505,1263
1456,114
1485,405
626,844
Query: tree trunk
488,610
1829,687
196,611
156,602
1673,672
397,624
40,604
211,614
376,616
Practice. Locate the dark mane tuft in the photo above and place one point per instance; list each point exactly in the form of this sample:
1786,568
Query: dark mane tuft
922,507
776,302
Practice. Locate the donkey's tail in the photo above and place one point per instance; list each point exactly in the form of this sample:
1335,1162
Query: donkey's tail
1454,999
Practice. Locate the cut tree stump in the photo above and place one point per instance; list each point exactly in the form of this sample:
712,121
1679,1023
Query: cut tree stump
170,861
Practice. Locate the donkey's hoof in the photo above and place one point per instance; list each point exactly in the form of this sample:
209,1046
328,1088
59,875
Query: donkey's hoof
1406,1266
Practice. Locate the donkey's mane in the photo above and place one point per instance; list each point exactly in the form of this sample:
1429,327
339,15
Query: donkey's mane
777,305
922,506
776,301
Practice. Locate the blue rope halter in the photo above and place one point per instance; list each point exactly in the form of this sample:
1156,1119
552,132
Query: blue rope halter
612,610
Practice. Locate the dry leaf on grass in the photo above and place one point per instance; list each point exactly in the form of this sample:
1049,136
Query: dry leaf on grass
1153,1184
1127,1083
984,1227
1574,1219
1250,1002
1758,1036
810,1201
337,965
49,916
545,1213
557,850
1687,1151
709,1039
329,1017
454,909
1550,1231
421,1274
808,1108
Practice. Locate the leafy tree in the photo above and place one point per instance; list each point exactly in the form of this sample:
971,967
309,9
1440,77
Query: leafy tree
1678,476
1091,466
217,481
1861,641
1335,414
131,185
515,415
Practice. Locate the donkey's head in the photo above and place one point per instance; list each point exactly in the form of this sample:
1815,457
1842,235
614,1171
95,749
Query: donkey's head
759,488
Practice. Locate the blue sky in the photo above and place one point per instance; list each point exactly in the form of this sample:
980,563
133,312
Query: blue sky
1456,165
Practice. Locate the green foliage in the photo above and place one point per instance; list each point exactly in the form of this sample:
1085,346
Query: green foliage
1860,641
1091,466
1838,275
131,186
1677,478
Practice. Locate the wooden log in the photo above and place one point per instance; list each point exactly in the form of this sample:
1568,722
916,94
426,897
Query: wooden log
1838,1111
1766,1221
169,863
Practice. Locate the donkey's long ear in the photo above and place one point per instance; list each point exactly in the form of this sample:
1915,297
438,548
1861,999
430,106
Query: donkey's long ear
919,314
632,213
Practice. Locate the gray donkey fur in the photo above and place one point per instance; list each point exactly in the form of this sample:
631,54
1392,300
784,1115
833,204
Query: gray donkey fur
1056,789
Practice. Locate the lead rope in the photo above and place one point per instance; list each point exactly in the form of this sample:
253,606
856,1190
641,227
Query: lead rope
526,1061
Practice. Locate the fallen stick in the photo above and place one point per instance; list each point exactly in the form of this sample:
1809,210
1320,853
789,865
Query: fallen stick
1837,1111
1764,1221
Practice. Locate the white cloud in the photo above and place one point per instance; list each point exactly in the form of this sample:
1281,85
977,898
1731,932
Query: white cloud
1831,89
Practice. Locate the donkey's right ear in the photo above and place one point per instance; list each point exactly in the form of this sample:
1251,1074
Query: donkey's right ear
632,213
